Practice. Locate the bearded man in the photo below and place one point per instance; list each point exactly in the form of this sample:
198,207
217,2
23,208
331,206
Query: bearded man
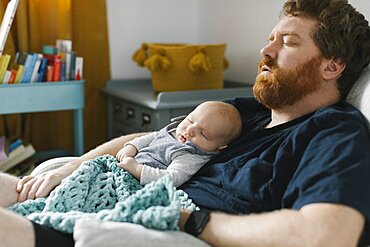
299,173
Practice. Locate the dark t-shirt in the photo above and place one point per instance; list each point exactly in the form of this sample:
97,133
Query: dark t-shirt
320,157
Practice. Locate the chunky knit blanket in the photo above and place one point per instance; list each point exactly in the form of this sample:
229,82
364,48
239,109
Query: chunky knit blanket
100,189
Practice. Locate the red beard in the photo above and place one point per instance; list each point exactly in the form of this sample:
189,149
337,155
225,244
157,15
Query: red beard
285,87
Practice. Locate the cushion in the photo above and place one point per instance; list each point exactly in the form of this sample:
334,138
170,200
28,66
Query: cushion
94,233
359,96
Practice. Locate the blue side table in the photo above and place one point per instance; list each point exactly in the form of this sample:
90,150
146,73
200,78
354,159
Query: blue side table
47,96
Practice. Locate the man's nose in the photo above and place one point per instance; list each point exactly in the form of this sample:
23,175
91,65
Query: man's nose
270,50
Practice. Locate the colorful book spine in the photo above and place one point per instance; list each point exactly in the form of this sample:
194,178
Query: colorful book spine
3,148
26,68
7,77
21,57
64,45
68,58
31,67
57,67
4,62
79,68
35,71
19,75
63,71
42,70
12,76
72,66
49,73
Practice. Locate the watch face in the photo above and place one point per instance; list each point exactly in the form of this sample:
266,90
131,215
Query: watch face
196,222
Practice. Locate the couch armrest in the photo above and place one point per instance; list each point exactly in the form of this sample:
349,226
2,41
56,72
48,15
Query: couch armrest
51,164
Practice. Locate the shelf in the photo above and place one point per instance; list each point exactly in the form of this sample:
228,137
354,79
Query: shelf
41,97
44,97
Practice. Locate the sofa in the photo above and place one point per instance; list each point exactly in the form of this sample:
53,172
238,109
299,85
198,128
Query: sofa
91,233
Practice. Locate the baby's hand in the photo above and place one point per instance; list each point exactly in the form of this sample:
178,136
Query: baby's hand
126,151
132,166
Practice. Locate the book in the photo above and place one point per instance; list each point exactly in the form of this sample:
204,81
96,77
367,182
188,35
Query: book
64,45
4,149
26,68
20,58
72,66
42,70
31,66
49,73
63,71
19,73
7,77
18,155
13,74
15,144
4,62
68,57
57,67
79,68
35,71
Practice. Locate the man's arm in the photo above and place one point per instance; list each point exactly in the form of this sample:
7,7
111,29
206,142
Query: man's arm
319,224
30,187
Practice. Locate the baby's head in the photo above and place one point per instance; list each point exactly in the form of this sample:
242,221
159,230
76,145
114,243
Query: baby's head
211,126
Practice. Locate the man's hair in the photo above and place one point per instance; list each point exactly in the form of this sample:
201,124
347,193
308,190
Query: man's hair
342,33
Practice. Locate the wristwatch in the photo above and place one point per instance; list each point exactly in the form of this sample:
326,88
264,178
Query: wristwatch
197,222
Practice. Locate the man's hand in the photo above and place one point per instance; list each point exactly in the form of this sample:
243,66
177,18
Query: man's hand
30,187
132,166
126,151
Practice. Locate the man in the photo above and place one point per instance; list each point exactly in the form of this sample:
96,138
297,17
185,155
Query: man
299,175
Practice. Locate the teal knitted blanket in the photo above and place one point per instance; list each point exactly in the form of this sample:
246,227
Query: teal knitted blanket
100,189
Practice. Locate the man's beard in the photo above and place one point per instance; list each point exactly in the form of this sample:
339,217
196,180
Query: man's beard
284,87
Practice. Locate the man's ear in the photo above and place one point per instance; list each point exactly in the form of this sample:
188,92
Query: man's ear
332,69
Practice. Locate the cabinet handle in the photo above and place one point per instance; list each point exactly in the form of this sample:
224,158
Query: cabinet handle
117,108
145,119
130,113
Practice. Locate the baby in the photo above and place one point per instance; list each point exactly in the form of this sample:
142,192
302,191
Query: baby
181,148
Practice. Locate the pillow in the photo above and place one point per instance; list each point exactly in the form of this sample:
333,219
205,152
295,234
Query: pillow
90,232
359,96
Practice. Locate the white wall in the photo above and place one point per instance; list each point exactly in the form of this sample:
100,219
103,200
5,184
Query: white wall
131,22
243,24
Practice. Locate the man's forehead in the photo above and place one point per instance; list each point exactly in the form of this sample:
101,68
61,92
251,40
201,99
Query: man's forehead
295,25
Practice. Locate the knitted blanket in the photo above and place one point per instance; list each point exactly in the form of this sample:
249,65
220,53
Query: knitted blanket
100,189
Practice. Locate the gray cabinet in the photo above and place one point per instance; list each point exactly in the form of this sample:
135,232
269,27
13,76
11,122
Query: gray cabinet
134,107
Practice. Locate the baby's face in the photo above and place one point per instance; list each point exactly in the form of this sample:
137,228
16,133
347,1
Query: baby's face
204,127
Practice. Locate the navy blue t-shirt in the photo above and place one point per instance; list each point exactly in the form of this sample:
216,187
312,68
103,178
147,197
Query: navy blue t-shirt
320,157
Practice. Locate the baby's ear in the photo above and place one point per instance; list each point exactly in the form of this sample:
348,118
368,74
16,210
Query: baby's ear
223,147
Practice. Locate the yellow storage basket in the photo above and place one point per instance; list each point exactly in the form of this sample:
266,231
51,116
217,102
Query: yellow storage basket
177,67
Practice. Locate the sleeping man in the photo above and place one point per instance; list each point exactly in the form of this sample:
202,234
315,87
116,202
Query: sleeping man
299,173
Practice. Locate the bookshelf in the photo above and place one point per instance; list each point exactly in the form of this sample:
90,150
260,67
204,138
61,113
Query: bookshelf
47,96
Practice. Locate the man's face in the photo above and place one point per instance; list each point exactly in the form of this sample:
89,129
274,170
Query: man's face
290,69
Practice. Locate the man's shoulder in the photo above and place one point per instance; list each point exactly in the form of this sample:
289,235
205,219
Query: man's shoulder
340,111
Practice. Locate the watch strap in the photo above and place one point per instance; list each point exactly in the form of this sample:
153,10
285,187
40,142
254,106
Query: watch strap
197,222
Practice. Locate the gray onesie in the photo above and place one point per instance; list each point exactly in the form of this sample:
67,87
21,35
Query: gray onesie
161,154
